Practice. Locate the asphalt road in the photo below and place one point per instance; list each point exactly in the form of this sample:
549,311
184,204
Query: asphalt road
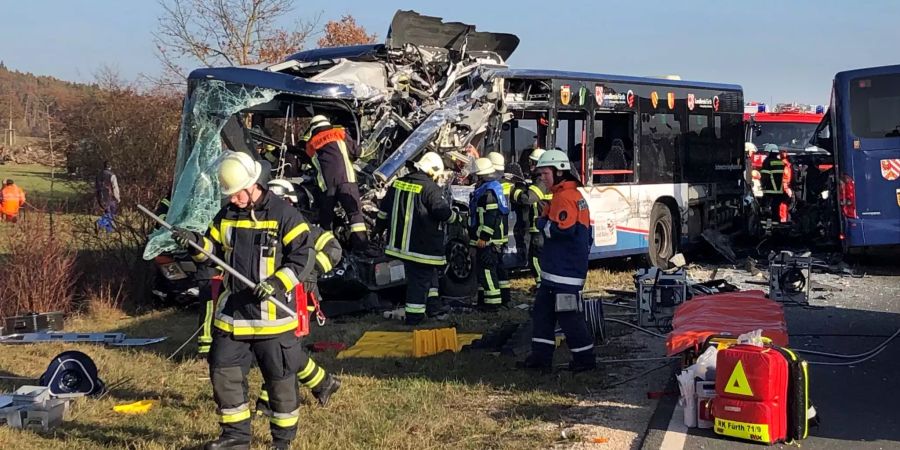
859,405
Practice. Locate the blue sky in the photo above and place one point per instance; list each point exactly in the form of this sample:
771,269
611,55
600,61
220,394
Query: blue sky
777,50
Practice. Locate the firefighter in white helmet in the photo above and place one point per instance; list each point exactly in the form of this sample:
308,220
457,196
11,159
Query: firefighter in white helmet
499,163
268,241
487,232
414,211
531,199
331,150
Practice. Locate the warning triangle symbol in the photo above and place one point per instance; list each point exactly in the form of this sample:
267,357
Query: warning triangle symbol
737,382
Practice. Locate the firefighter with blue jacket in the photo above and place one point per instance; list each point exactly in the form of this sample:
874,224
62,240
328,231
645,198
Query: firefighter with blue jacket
415,213
487,233
564,263
499,163
267,240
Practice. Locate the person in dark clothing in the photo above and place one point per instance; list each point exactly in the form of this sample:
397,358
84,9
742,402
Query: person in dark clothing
531,200
330,150
415,213
267,240
487,233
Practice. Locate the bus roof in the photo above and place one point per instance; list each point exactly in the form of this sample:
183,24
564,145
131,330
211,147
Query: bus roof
559,74
845,76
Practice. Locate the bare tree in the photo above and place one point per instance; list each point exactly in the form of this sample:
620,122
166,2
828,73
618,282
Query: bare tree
226,32
345,32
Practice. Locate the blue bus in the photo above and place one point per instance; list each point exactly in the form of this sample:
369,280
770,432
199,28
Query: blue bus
862,131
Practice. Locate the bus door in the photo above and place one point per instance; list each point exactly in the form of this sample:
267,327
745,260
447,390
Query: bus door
869,178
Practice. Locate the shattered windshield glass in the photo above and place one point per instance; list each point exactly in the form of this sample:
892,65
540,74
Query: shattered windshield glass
197,198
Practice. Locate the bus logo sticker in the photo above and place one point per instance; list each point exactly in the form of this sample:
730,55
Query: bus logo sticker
598,94
654,99
582,95
629,98
890,169
716,103
898,197
671,100
565,94
690,102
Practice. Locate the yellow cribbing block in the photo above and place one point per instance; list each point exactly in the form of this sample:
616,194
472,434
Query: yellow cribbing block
139,407
395,344
432,342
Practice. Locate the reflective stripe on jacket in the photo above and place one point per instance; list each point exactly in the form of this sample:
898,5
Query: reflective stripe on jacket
567,244
415,209
487,213
329,152
277,243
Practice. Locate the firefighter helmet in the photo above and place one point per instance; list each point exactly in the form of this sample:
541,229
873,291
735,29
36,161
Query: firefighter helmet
283,189
535,154
238,171
554,158
498,161
318,121
431,163
484,166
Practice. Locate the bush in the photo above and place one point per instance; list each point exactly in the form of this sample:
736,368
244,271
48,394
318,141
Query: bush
38,272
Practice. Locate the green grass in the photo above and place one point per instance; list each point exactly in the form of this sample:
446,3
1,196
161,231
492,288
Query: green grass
471,400
36,180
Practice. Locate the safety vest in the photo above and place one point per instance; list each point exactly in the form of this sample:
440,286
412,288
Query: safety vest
416,209
277,243
13,199
567,239
771,175
487,210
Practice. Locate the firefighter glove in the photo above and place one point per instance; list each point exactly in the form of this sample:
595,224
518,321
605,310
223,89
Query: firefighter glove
268,288
481,243
183,237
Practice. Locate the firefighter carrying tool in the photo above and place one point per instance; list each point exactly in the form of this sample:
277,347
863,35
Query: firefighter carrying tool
487,208
564,263
330,149
532,199
262,236
415,212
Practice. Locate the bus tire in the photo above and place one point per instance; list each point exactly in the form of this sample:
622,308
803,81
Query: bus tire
662,236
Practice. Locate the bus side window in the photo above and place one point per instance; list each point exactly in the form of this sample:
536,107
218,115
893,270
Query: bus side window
613,148
660,139
570,134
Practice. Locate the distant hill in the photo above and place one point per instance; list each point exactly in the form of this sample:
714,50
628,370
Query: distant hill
25,94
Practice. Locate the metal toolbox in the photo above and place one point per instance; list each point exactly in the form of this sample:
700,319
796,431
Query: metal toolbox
32,323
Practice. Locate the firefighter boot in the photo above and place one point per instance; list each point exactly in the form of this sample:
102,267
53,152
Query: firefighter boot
228,443
533,363
326,388
582,364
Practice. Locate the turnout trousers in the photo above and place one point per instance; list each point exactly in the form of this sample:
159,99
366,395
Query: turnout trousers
493,279
545,317
279,358
535,246
347,195
421,289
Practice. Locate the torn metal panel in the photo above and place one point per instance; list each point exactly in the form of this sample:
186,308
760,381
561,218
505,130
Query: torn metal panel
366,79
410,27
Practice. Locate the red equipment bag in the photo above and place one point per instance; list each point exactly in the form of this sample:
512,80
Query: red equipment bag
751,394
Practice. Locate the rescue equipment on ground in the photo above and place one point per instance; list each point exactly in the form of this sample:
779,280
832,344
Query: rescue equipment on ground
392,344
434,341
33,323
789,277
72,374
593,315
32,407
111,339
761,394
138,407
658,293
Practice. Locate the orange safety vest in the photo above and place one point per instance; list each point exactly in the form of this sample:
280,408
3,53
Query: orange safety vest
13,199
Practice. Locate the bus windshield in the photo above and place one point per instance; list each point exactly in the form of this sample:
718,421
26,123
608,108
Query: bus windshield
875,106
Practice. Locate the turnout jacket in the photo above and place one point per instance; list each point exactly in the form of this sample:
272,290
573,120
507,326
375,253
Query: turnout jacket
567,243
330,152
488,211
415,210
531,200
278,243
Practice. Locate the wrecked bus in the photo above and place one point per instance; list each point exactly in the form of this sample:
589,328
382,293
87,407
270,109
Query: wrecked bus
862,130
660,159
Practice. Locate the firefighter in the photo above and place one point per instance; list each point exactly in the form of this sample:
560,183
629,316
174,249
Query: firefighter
532,199
499,163
330,149
564,263
12,198
487,233
264,238
416,212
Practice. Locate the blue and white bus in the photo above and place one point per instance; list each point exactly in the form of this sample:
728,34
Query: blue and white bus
862,130
661,160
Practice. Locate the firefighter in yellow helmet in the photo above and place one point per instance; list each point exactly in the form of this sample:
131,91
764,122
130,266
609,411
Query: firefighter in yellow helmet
415,212
267,240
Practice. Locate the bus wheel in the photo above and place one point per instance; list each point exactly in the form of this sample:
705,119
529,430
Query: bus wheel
662,236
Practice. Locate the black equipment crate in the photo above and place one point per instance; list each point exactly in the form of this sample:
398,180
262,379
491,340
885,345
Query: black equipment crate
33,323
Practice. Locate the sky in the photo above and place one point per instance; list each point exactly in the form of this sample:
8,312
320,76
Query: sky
779,51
